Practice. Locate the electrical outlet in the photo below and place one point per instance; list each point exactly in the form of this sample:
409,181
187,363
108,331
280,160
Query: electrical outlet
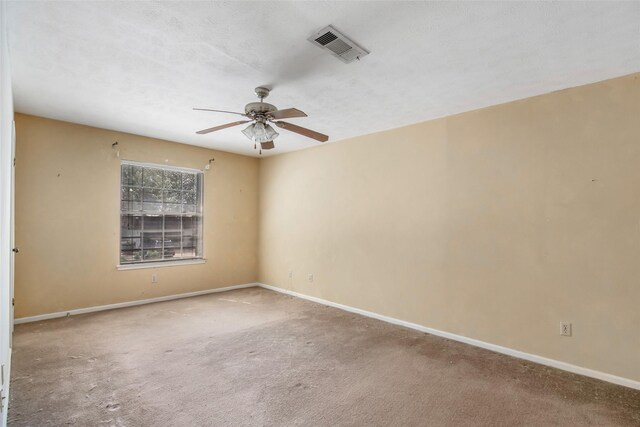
565,329
290,274
311,278
154,278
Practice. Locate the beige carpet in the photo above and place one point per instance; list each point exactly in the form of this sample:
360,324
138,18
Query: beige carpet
255,357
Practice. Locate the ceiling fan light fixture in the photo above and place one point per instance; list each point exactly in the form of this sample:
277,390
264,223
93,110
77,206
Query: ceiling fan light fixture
260,115
260,132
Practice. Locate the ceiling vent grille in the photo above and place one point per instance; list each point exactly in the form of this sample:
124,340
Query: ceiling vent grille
340,46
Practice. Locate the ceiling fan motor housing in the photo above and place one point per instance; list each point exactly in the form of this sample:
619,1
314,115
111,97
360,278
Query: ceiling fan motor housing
259,108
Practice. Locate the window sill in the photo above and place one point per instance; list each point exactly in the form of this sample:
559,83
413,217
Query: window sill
160,264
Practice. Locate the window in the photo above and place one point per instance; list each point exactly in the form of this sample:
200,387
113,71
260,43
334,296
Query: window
160,213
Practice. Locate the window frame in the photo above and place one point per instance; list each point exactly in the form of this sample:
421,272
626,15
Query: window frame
167,262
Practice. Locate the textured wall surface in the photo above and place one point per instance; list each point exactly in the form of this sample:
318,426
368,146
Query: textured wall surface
68,225
495,224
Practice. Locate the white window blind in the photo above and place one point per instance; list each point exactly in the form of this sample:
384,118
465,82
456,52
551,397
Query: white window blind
160,213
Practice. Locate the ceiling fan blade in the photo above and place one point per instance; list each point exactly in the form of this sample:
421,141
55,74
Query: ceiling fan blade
303,131
268,145
287,113
219,111
215,128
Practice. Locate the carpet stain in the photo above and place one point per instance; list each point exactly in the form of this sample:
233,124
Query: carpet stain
255,357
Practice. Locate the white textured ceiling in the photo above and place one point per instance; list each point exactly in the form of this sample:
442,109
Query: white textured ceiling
140,67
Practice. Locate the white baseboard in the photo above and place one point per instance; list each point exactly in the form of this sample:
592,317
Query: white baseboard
127,304
493,347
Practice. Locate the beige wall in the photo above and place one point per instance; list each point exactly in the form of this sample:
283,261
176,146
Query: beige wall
67,221
495,224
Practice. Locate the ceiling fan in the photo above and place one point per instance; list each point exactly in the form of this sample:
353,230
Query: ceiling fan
261,114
